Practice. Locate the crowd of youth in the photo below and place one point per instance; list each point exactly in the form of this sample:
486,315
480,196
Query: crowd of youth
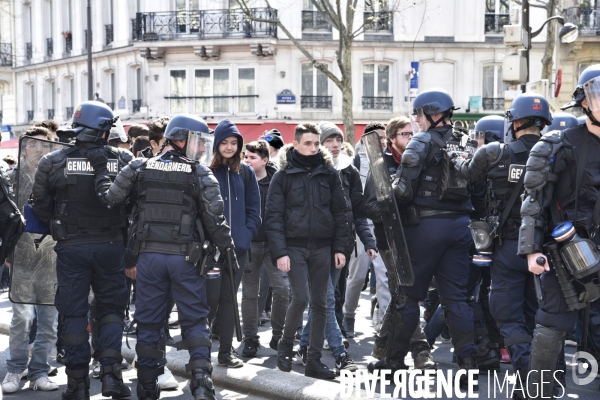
302,225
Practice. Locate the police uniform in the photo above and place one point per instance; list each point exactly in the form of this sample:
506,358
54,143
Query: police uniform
177,201
89,250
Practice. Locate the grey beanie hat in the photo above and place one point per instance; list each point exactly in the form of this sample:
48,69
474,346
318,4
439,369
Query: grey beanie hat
329,129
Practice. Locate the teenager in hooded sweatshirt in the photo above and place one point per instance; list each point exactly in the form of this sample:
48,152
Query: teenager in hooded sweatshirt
241,196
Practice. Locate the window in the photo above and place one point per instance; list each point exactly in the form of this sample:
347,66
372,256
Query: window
376,80
218,86
496,15
493,88
188,16
246,87
314,82
178,89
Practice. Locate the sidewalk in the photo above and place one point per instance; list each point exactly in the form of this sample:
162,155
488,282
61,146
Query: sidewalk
259,376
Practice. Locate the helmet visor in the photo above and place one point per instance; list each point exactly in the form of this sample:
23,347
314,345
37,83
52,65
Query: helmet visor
418,121
199,147
118,131
592,93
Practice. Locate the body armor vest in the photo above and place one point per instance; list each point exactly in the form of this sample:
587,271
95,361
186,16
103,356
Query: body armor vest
166,206
77,207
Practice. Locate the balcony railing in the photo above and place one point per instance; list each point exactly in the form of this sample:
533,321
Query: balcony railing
136,105
201,24
377,103
49,47
50,113
29,116
28,51
5,55
586,19
68,44
494,23
317,102
69,112
315,21
108,29
493,103
382,21
111,105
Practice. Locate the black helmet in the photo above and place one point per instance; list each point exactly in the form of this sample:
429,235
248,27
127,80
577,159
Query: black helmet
562,121
491,128
91,119
434,101
195,130
590,72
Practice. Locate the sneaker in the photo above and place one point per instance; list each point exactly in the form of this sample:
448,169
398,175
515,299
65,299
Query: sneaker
11,382
348,324
60,356
316,369
43,383
167,381
345,362
230,360
378,352
302,353
504,356
96,369
251,346
423,361
445,337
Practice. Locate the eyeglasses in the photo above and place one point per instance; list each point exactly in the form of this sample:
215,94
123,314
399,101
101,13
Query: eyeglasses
403,134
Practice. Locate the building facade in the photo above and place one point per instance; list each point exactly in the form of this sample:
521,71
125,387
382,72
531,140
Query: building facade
157,57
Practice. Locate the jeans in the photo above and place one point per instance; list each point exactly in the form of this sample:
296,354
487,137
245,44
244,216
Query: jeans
357,271
23,315
332,329
383,287
263,291
261,257
309,279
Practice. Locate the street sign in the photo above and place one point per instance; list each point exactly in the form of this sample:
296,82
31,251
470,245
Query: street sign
286,97
475,102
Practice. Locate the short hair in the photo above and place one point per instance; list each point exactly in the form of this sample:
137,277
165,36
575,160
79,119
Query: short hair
349,149
373,126
260,147
136,130
10,159
140,143
48,124
157,128
39,130
394,124
301,129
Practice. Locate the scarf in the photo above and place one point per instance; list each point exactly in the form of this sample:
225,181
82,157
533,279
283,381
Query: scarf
397,156
306,162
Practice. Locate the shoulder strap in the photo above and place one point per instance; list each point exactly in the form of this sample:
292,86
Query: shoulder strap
511,201
441,142
581,161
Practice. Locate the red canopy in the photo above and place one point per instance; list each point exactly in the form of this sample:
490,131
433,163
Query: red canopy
11,144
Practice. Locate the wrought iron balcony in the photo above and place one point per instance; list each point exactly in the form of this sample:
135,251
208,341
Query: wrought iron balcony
68,44
586,19
5,55
316,102
49,47
136,105
111,105
69,113
50,113
108,29
202,24
379,21
29,116
493,103
28,51
494,23
315,21
377,103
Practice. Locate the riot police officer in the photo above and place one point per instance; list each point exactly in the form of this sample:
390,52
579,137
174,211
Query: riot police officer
89,248
561,184
438,239
512,298
178,201
489,129
562,121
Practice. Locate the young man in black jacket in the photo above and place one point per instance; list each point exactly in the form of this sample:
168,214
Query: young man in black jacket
306,222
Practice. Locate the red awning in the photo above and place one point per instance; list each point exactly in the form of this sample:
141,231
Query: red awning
11,144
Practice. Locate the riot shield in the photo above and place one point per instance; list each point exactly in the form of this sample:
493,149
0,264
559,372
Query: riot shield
389,209
33,270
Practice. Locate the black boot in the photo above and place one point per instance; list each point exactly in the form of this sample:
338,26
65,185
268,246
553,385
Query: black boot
467,363
316,369
285,355
251,346
201,385
112,382
487,354
545,348
384,363
148,390
78,385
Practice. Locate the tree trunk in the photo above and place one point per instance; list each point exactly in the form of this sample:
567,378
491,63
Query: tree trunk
550,41
347,115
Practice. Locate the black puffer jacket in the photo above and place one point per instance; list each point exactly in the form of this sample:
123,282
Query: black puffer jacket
263,187
306,209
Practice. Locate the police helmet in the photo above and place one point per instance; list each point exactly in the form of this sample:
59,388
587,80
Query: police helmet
491,128
180,125
562,121
530,105
579,94
433,101
199,142
91,119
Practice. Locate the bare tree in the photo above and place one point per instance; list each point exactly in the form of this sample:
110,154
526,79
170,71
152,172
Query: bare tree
340,14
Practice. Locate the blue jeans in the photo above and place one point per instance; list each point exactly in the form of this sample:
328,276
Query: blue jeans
23,315
332,329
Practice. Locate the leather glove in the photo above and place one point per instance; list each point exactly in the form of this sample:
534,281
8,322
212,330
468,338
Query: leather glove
98,159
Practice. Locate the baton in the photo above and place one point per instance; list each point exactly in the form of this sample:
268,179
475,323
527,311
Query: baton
236,313
541,261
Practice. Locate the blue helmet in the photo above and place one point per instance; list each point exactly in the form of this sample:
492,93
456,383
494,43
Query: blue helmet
562,121
530,105
491,128
433,101
590,72
179,126
91,119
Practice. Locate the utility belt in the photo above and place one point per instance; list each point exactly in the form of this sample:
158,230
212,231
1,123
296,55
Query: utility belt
576,262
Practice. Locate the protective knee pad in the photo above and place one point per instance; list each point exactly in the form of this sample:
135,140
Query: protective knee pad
545,349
